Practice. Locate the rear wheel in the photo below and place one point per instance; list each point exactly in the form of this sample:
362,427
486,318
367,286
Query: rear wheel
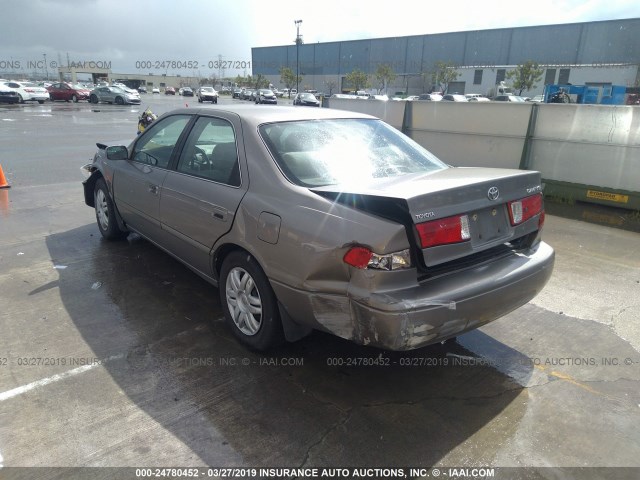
105,212
74,99
40,102
20,99
93,99
249,304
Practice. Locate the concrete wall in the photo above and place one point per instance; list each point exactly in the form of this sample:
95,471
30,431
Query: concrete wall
579,146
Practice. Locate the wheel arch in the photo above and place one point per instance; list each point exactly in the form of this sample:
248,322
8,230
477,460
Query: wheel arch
89,186
292,330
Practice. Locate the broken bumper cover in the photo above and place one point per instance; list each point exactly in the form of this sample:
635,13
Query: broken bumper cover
434,310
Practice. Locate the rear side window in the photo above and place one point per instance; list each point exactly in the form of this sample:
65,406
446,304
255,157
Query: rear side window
210,152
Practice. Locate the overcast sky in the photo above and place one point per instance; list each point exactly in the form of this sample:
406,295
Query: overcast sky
126,32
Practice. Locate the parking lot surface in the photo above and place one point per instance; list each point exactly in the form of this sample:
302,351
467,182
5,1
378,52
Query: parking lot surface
114,354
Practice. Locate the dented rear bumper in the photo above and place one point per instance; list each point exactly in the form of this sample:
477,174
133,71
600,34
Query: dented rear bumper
427,312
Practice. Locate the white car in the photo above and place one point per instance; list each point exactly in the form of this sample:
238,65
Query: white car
476,97
28,92
155,90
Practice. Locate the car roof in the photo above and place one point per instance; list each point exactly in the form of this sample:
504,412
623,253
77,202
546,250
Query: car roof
257,115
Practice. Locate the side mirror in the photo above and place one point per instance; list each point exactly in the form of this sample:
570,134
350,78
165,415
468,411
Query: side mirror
117,153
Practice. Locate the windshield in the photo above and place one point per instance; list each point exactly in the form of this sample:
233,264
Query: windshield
314,153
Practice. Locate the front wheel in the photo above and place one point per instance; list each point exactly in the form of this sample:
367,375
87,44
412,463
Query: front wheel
93,99
74,99
40,102
119,101
249,304
106,212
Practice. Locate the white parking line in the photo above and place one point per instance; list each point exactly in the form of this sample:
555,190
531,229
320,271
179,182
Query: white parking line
55,378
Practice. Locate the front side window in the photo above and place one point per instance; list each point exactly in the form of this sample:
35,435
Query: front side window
157,145
210,152
314,153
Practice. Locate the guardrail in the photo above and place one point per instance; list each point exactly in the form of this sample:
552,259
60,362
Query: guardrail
584,152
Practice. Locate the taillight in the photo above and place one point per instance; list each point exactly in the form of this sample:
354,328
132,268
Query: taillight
522,210
362,257
444,231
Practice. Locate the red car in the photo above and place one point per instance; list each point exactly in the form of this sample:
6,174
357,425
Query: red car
169,91
68,92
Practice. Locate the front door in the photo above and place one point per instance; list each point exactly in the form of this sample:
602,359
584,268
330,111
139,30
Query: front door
137,182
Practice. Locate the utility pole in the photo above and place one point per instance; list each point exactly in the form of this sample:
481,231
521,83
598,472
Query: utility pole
298,42
45,66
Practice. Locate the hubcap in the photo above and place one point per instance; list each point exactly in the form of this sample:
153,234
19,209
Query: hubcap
244,302
102,211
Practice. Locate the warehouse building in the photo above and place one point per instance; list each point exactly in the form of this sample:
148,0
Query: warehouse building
598,53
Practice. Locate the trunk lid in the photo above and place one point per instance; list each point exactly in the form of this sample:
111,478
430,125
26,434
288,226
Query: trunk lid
482,194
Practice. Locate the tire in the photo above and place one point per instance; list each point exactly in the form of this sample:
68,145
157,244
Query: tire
215,101
249,304
199,100
40,102
20,99
93,99
105,212
74,99
119,101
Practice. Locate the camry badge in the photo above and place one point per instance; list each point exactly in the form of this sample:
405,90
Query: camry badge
493,193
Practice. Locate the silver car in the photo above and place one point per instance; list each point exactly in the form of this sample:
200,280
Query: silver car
117,95
326,220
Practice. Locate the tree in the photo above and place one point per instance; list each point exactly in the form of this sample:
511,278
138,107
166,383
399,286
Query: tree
385,75
525,76
260,82
444,74
357,79
331,84
288,77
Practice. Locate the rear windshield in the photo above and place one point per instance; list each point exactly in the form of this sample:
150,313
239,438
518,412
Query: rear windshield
314,153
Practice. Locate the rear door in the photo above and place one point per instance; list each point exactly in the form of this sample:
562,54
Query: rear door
200,197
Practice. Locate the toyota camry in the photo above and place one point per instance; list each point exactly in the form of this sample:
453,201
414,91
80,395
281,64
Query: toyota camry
326,220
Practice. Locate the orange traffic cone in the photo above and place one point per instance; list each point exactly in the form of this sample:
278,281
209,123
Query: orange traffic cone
3,180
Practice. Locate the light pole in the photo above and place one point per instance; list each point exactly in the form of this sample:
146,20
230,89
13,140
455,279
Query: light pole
45,66
298,42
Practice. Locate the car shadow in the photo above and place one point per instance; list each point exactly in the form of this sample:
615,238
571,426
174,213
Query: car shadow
321,401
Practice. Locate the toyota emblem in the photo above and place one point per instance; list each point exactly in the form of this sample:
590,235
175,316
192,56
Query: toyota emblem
493,193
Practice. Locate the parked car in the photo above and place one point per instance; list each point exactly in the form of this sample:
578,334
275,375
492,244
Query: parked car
264,95
28,91
454,97
67,92
536,99
476,97
142,89
169,91
8,95
430,97
246,94
114,95
187,92
237,92
155,90
180,90
353,228
307,99
509,98
207,94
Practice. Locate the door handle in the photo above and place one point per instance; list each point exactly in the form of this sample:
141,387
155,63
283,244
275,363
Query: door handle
153,189
220,213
